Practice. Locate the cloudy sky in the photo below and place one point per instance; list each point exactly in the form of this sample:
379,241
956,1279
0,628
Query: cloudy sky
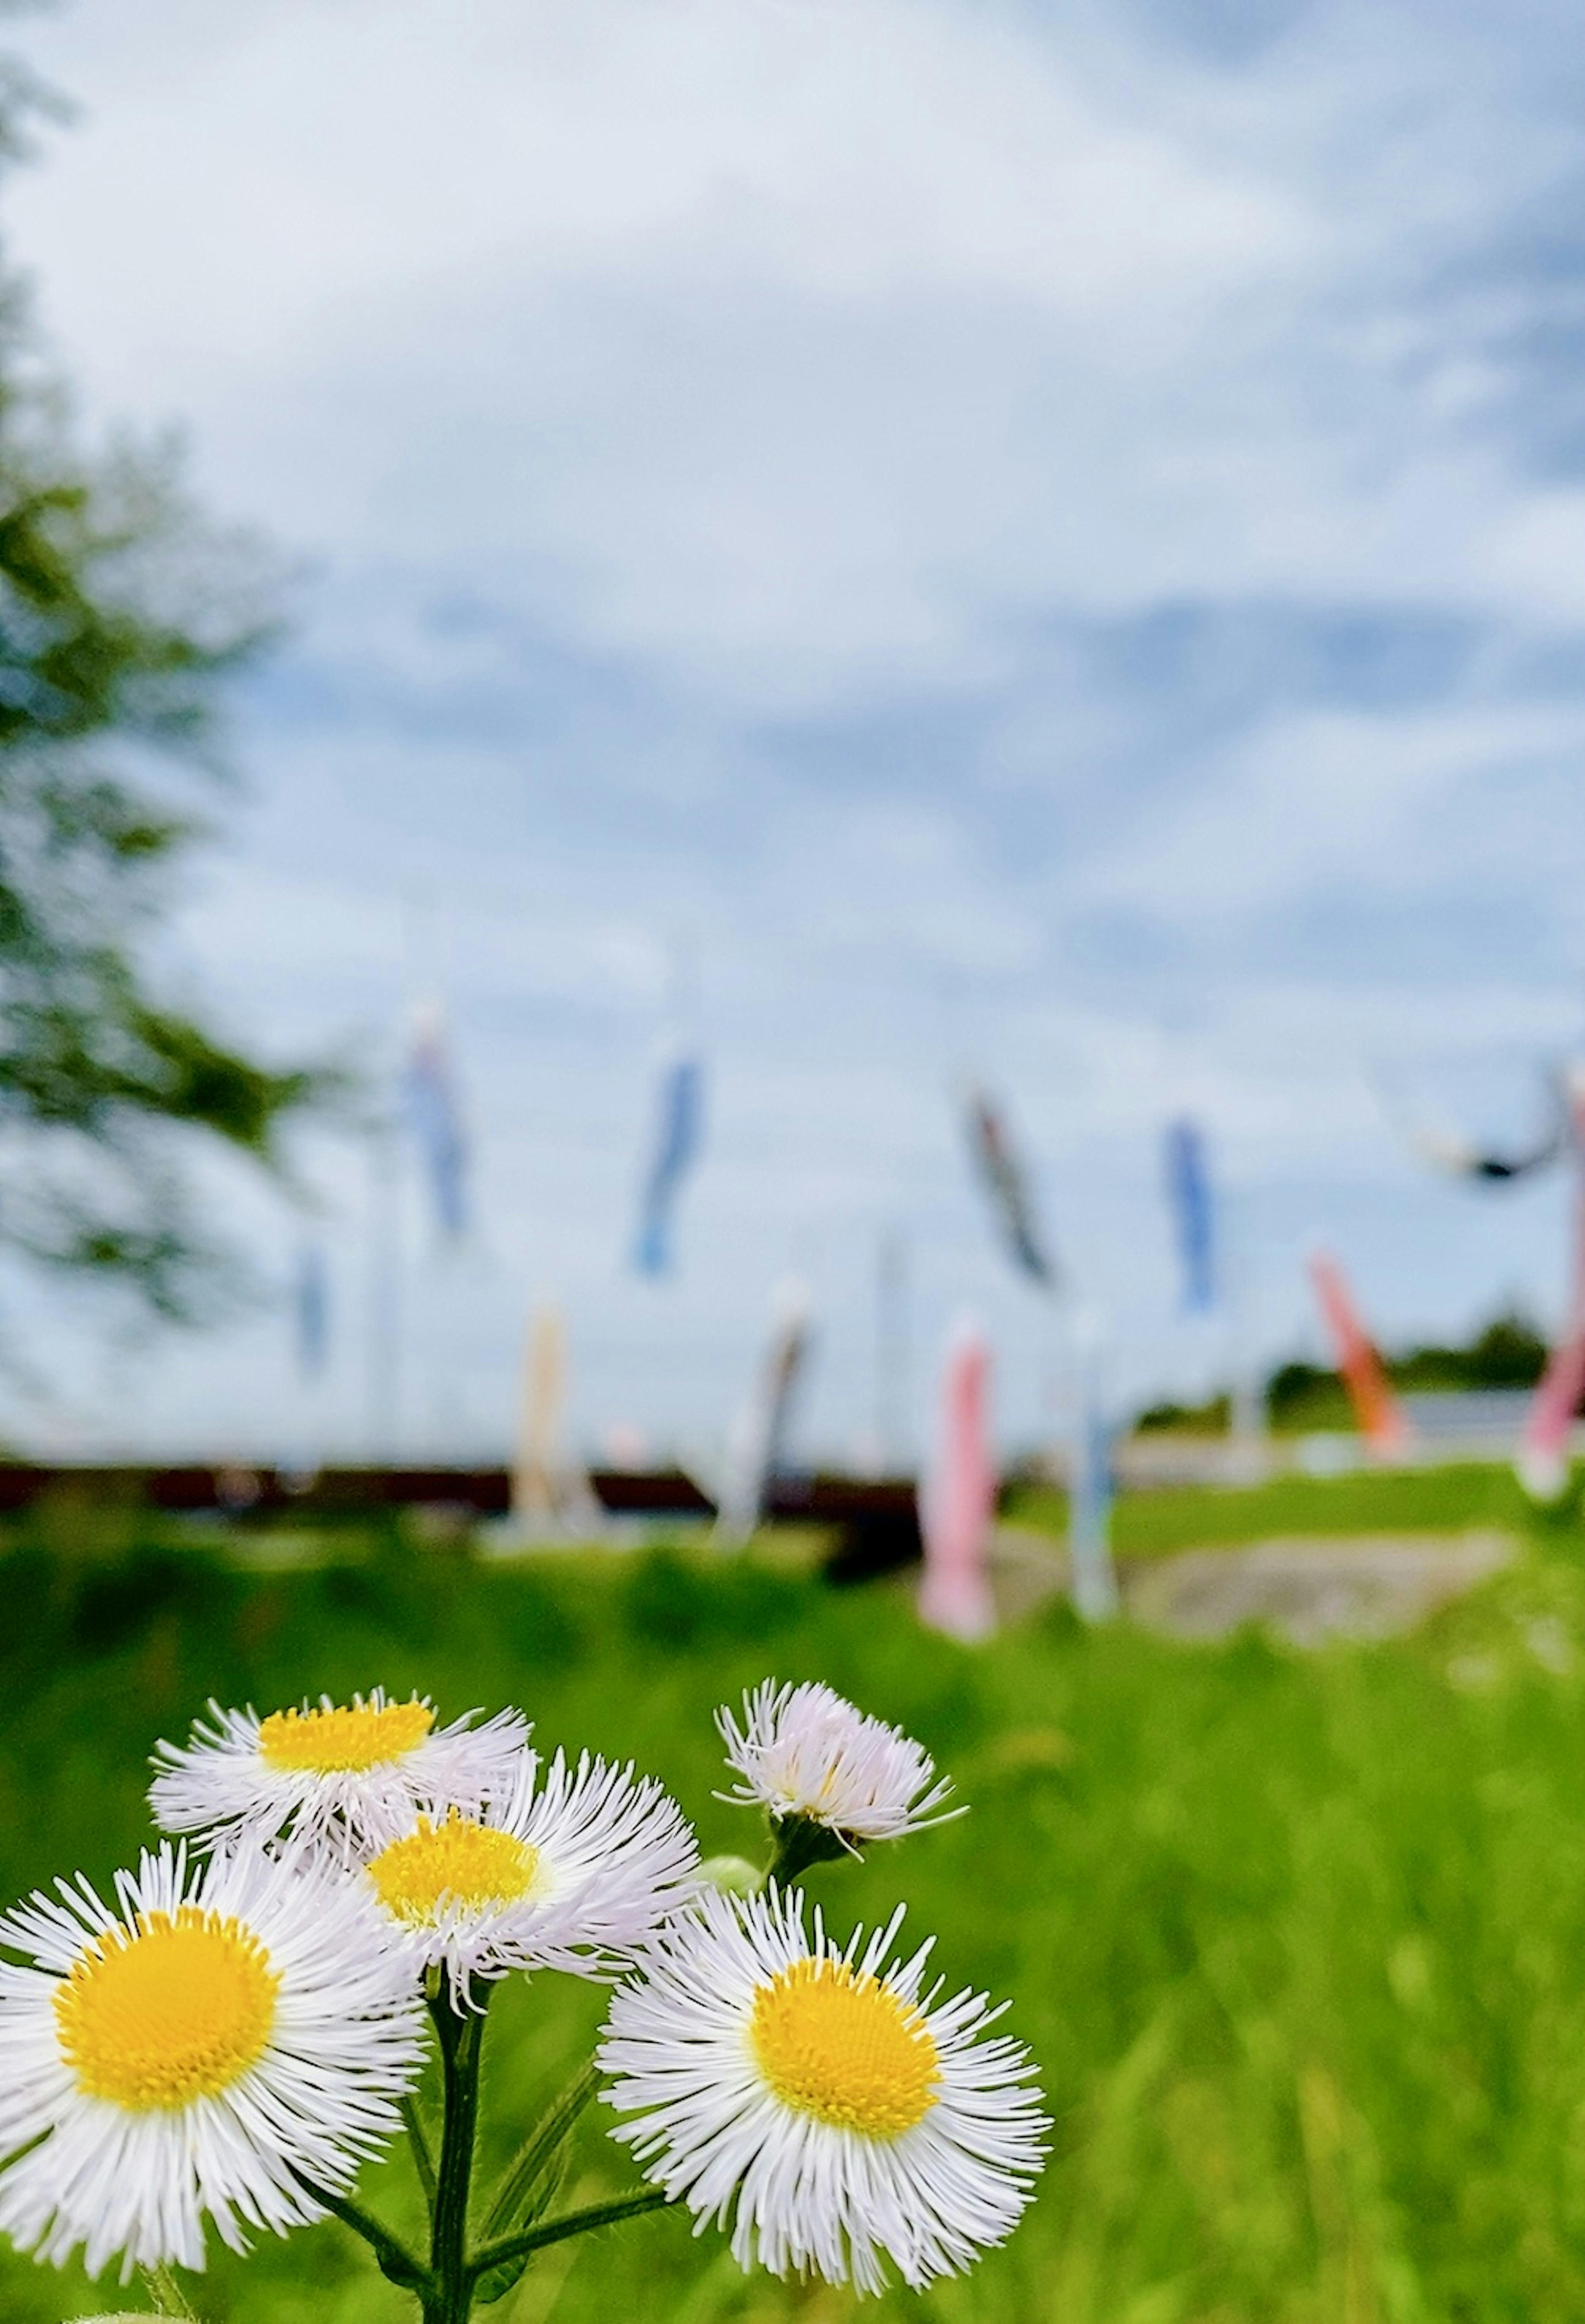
893,538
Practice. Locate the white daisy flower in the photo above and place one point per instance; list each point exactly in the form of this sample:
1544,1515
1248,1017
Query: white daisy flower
572,1872
804,1751
330,1770
817,2096
194,2052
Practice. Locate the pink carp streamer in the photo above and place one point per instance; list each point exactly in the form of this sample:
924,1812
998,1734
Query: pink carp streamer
958,1508
1377,1410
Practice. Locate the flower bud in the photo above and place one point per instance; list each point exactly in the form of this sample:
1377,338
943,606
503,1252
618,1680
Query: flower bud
734,1876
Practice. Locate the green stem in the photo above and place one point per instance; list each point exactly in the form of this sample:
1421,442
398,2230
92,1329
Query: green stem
801,1841
449,2296
571,2223
418,2138
396,2261
170,2298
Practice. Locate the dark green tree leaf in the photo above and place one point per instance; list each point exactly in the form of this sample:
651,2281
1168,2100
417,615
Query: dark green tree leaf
123,614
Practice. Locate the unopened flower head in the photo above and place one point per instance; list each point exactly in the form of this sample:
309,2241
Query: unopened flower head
815,2096
205,2047
804,1751
331,1771
572,1871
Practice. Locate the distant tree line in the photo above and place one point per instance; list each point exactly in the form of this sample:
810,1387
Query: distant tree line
1509,1352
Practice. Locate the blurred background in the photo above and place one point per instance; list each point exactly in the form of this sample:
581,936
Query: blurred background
878,547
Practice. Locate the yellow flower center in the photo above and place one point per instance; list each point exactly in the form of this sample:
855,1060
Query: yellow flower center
175,2010
835,2042
347,1741
458,1862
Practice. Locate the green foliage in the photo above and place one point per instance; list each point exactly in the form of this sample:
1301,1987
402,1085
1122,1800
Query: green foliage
673,1601
1299,1942
1303,1396
534,2179
1211,1418
1509,1352
1393,1500
121,612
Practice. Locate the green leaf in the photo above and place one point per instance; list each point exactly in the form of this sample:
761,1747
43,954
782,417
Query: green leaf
395,2261
511,2248
499,2281
541,2195
398,2268
531,2180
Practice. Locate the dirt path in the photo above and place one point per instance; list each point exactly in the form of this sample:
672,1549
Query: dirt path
1307,1589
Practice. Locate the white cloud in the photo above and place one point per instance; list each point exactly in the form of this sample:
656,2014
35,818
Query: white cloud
1326,797
793,346
356,151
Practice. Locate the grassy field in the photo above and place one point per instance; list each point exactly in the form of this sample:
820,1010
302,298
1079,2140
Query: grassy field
1409,1500
1299,1942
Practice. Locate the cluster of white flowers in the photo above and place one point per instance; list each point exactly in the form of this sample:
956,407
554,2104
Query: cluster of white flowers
809,2092
241,2032
237,2034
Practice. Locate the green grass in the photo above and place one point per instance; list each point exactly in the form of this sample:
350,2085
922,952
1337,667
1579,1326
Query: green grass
1391,1500
1299,1942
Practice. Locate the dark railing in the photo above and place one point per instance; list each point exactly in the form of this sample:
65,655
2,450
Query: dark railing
877,1518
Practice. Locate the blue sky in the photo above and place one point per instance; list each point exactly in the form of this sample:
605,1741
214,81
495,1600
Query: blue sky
1042,540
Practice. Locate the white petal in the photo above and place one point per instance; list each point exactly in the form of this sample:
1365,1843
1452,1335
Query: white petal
220,1786
804,1751
616,1857
801,2193
345,2044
